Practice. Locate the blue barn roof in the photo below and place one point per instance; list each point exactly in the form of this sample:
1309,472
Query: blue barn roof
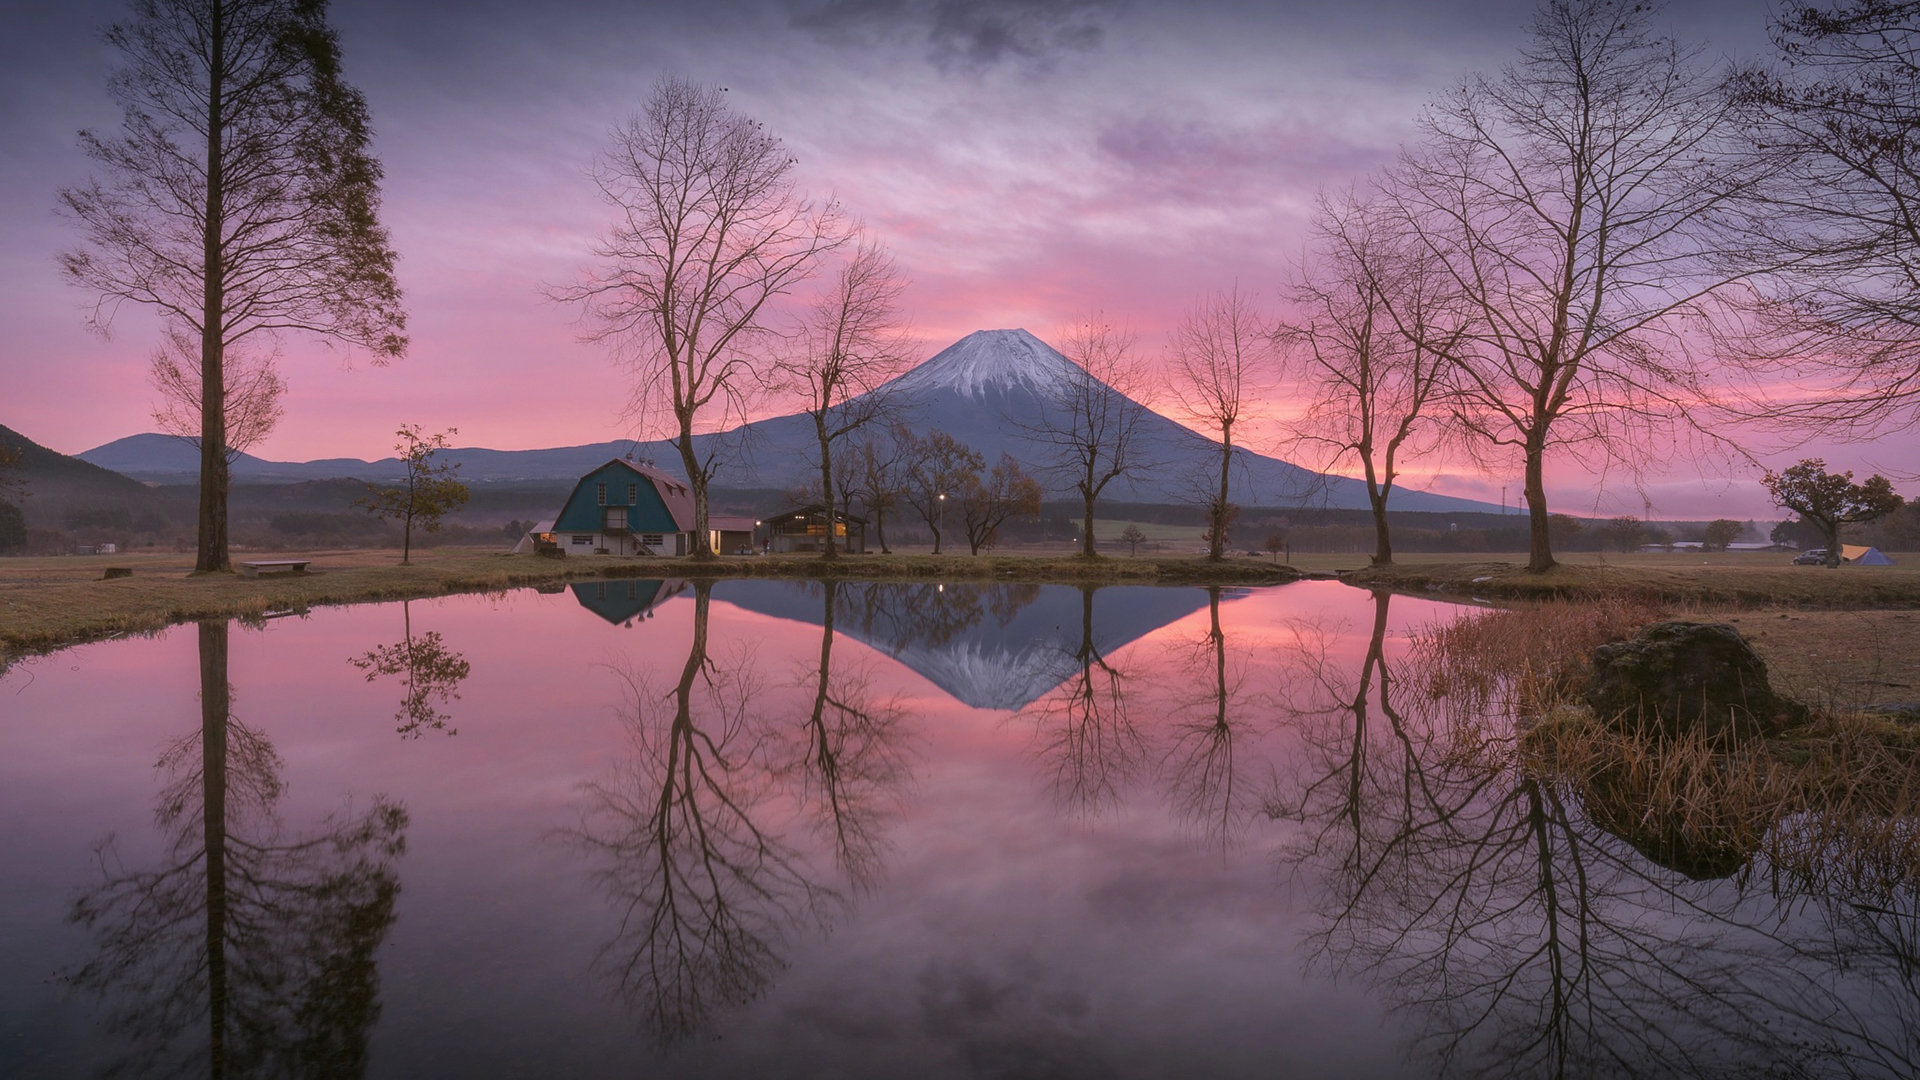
655,502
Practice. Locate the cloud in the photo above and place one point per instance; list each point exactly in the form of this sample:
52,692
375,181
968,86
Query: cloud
965,35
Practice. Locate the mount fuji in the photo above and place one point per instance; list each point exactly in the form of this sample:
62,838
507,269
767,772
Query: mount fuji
989,389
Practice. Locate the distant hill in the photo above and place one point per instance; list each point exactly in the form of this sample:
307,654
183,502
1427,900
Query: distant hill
985,389
55,482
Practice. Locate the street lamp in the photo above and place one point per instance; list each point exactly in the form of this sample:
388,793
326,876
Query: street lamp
942,527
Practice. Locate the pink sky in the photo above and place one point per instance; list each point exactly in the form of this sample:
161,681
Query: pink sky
1026,161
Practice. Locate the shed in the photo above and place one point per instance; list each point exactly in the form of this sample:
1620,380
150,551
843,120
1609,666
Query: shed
804,528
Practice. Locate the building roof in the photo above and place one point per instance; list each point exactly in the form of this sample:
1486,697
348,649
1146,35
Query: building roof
814,510
731,523
674,494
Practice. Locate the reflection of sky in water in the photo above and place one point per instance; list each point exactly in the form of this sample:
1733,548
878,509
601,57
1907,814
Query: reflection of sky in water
1006,934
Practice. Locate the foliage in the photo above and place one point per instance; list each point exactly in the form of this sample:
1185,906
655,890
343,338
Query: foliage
13,527
1132,537
1721,532
1277,543
427,494
1626,532
1831,500
986,503
938,469
708,230
239,202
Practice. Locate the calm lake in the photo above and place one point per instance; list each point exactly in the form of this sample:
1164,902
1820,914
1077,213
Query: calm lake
768,829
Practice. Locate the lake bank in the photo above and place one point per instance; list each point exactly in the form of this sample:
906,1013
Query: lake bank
49,603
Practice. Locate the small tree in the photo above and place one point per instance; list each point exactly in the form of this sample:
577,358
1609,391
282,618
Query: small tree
1626,532
1219,351
1132,537
1830,500
986,503
1721,532
428,493
1090,430
938,469
1276,543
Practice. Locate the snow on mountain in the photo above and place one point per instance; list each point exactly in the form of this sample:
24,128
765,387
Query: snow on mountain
991,359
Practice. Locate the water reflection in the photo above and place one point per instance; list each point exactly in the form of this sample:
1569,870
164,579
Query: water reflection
696,841
625,601
430,676
1469,884
246,951
1209,718
989,646
1085,731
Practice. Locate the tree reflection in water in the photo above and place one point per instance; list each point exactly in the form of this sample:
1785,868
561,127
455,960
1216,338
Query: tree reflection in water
430,676
851,764
1465,882
246,952
1201,770
689,839
1084,730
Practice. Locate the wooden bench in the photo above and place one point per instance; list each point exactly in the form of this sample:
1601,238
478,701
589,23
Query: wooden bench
257,567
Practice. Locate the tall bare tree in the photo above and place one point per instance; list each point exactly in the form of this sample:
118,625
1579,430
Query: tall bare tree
1221,353
1089,428
1841,123
708,229
1575,202
238,200
1371,341
850,346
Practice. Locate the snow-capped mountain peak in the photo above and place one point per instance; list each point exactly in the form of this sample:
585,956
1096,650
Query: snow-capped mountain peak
991,359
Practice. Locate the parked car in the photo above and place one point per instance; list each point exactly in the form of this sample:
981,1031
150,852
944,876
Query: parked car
1811,557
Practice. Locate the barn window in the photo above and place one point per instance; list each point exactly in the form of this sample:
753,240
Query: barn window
600,493
633,494
652,539
582,541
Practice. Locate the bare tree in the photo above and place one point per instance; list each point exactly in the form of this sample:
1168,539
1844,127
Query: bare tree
238,200
1574,202
987,502
881,476
1221,351
1089,427
708,229
1371,344
1841,123
850,345
938,467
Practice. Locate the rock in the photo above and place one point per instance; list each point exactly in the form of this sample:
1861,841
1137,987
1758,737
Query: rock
1676,677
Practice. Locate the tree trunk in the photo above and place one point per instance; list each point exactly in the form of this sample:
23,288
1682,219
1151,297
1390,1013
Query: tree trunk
880,528
702,550
1540,546
212,556
826,484
1086,535
1382,542
1832,531
1216,548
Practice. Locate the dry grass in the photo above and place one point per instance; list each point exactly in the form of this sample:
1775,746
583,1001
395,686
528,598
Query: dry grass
46,603
1833,804
1742,578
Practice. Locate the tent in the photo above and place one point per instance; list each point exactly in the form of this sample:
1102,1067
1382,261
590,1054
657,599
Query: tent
541,531
1863,556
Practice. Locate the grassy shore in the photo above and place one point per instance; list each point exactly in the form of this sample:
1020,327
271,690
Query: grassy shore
46,603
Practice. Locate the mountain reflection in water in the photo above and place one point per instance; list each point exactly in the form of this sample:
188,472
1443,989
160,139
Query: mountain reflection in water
863,829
